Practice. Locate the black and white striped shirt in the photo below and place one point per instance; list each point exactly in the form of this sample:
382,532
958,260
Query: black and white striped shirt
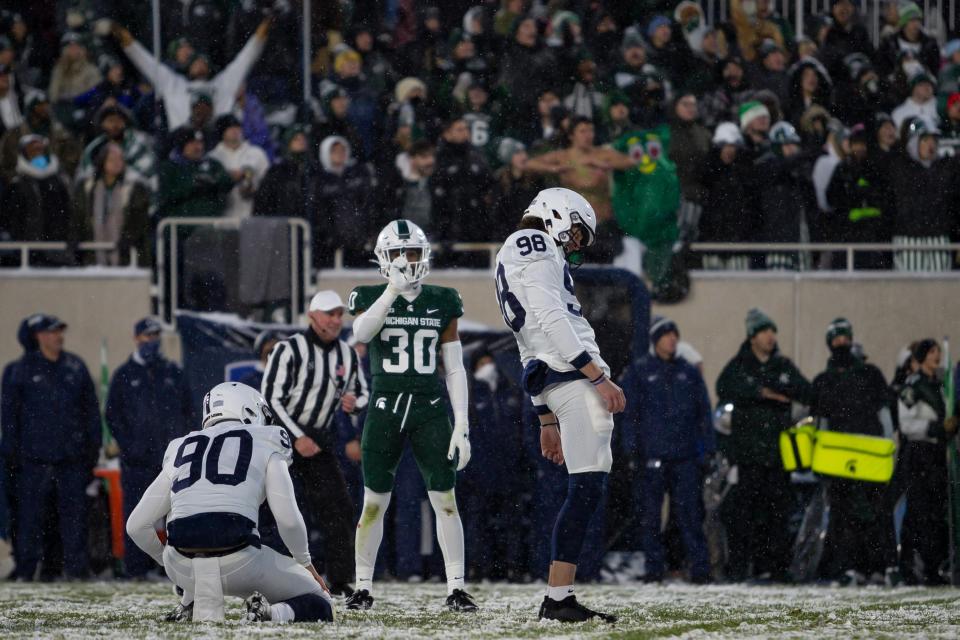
305,379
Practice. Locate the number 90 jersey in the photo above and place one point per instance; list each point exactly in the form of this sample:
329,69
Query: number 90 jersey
538,302
221,469
404,355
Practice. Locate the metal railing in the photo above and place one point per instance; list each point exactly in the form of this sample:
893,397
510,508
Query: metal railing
848,249
300,269
24,249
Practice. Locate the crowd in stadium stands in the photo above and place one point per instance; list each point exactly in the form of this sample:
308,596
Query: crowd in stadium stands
672,123
735,512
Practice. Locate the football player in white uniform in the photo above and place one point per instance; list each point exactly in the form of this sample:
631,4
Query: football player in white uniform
563,372
210,491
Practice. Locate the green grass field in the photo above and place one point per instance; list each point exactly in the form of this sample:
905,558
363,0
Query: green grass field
132,610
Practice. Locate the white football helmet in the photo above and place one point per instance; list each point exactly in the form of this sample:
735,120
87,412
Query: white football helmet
394,240
235,401
560,209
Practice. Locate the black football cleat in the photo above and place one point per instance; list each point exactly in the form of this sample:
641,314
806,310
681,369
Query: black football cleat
258,609
183,613
461,601
569,610
360,599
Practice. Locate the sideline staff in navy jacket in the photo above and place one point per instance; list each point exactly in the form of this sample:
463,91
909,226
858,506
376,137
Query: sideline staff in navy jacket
667,425
148,405
51,434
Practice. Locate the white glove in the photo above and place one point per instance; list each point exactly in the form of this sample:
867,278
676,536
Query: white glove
397,276
460,443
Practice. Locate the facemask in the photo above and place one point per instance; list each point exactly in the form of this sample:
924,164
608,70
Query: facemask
40,162
149,351
487,373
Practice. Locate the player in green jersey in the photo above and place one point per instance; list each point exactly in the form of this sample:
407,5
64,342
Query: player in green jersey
407,325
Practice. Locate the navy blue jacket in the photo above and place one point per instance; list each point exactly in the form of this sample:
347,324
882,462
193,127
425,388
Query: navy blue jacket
147,407
49,411
668,415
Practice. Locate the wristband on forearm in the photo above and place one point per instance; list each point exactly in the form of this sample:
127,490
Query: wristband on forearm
598,380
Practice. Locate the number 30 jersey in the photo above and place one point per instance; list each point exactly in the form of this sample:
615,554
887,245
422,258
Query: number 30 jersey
219,482
537,299
404,355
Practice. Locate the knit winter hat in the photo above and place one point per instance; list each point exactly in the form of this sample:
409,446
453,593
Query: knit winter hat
344,57
758,321
839,327
509,147
631,39
750,111
908,12
727,133
405,86
655,23
661,325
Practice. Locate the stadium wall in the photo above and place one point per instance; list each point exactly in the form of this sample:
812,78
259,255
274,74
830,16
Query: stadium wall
887,310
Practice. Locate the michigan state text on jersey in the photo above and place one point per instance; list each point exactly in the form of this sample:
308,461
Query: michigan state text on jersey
407,324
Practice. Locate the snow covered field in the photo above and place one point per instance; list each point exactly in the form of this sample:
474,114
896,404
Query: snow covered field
131,610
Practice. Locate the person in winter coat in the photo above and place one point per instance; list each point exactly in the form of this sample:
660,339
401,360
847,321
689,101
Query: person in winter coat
335,105
770,71
115,124
190,183
74,74
463,182
809,84
344,190
782,216
38,119
727,215
11,102
922,102
910,37
246,163
689,146
411,189
363,111
720,105
861,200
859,93
667,51
926,429
924,189
177,90
113,205
761,384
36,206
148,405
525,67
845,34
851,396
515,188
289,187
754,26
52,435
669,428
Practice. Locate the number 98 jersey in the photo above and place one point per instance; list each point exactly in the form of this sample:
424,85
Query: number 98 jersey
404,355
219,482
538,302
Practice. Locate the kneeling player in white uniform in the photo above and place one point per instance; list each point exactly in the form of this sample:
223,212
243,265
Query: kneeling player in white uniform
210,491
563,372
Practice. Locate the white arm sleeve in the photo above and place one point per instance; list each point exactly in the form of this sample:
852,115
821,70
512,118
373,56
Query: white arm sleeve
886,421
369,323
154,505
283,504
541,279
164,80
229,80
279,371
456,379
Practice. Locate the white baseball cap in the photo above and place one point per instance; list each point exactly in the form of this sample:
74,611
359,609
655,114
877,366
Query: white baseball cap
326,301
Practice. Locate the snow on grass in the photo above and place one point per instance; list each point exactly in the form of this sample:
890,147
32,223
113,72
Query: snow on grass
132,610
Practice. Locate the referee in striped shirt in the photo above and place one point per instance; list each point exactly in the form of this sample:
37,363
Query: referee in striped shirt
309,376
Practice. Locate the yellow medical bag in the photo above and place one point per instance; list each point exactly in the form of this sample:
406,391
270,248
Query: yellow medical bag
854,456
796,445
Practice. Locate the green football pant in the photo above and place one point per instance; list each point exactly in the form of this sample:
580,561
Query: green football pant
392,419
